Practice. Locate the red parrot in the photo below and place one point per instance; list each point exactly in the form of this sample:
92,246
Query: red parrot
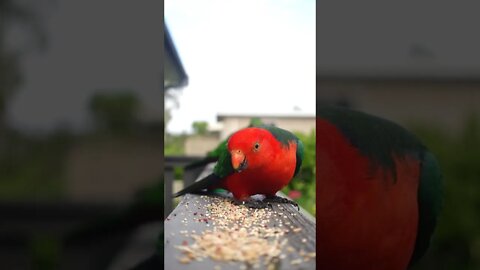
378,193
257,160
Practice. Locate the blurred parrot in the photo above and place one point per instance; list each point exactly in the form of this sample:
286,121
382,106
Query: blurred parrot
379,192
256,160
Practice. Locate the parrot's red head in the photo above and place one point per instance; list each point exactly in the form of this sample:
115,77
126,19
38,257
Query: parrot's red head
251,148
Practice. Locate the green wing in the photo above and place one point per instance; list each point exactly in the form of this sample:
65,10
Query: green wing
429,204
223,167
299,157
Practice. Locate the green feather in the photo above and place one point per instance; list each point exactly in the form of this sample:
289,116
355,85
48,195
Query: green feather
429,204
224,166
299,156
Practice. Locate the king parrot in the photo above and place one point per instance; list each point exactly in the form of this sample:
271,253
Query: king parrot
256,160
379,192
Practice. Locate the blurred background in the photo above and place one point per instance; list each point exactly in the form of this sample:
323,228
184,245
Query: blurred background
81,114
81,133
416,63
246,61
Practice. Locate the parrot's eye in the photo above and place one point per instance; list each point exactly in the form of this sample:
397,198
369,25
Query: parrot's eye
256,147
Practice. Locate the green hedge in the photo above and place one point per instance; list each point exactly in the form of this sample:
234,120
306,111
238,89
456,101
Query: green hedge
456,243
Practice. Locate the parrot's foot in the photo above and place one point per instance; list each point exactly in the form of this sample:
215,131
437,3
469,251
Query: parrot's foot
252,203
277,199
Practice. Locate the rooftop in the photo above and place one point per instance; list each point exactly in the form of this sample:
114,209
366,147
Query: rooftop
222,116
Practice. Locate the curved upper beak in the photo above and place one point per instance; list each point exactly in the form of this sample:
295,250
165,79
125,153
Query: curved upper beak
239,161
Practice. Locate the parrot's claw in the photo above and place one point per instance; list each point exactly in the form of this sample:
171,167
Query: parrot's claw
277,199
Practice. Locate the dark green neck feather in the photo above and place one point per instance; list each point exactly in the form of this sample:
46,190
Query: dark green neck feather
283,136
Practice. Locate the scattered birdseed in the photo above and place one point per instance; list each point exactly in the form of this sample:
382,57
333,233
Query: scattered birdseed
239,234
184,260
310,255
296,261
296,230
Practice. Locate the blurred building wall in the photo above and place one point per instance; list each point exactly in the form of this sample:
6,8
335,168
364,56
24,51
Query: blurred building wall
112,171
199,145
232,123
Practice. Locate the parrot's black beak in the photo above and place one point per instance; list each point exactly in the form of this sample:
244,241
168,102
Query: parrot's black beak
242,166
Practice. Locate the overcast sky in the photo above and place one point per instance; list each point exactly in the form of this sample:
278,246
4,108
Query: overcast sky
109,44
243,56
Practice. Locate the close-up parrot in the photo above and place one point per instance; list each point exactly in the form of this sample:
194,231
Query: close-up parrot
379,193
256,160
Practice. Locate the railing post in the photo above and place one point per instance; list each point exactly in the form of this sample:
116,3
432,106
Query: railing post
168,185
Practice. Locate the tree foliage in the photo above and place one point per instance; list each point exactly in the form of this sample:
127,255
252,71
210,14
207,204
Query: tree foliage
115,111
456,242
200,127
16,13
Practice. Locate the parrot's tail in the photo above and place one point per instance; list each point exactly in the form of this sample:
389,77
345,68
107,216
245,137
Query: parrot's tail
210,181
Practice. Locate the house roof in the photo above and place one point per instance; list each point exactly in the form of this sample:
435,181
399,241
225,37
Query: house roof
413,39
294,115
174,73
